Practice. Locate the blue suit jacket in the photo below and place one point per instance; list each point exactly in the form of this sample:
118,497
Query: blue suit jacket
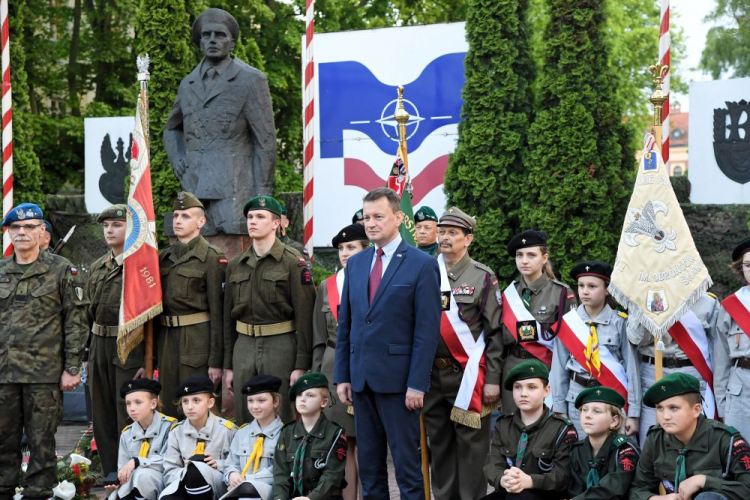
389,345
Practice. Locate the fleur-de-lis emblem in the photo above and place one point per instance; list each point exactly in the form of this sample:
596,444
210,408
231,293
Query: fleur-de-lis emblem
643,222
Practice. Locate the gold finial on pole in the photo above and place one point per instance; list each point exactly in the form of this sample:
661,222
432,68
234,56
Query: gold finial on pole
658,98
401,116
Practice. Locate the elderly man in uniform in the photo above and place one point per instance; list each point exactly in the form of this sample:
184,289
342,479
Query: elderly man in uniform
220,135
42,338
106,372
460,434
427,230
192,280
268,308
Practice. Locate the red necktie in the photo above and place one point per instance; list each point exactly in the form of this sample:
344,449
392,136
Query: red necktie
376,275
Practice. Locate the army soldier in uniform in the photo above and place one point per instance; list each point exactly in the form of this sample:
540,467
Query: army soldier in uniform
460,437
46,238
192,278
285,239
42,338
537,295
427,230
359,217
106,372
268,308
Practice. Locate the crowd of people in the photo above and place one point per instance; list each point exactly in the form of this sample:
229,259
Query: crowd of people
326,383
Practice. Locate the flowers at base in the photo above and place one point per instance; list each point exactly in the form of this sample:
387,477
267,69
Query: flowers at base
64,490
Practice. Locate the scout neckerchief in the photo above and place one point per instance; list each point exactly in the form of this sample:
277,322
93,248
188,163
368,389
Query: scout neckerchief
255,456
523,443
200,448
298,466
689,334
574,334
519,320
335,285
593,361
679,473
738,307
470,354
143,452
592,478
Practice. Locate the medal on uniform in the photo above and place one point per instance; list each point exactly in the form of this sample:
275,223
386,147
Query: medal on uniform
527,331
446,300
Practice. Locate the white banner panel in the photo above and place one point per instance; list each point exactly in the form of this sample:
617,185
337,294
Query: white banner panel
107,143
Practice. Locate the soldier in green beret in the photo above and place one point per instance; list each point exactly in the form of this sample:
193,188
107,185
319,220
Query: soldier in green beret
268,308
311,452
42,337
427,230
687,453
461,434
603,464
191,336
106,371
46,238
530,447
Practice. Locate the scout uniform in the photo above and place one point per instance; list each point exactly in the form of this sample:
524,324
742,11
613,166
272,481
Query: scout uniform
461,436
325,326
546,299
606,476
310,464
425,213
105,370
359,217
541,449
732,355
145,446
252,449
268,314
191,333
608,331
42,332
715,450
674,359
185,472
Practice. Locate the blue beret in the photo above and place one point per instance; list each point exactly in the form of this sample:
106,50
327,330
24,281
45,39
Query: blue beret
22,212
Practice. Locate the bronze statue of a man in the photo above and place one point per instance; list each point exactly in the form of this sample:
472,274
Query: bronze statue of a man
220,135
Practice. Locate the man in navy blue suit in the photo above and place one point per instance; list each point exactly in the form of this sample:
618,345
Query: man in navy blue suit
389,325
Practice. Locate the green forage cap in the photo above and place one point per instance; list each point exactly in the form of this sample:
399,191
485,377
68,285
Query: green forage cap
600,395
307,381
115,212
456,217
186,200
425,213
263,202
674,384
528,369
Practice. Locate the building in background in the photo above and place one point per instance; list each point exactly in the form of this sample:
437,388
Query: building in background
678,142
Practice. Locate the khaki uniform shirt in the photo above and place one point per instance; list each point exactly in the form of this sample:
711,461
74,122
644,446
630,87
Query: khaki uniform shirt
43,327
615,462
104,288
266,290
730,345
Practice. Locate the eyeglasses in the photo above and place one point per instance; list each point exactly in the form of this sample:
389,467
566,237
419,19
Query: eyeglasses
14,228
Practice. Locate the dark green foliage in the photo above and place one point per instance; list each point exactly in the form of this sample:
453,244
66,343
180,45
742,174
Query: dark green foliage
486,172
581,170
681,186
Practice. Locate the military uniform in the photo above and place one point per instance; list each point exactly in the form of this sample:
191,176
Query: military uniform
614,466
674,358
294,244
42,331
191,336
106,373
458,449
732,372
425,214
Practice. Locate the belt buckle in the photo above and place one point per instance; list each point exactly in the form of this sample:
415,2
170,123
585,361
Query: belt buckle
671,363
255,329
168,321
591,382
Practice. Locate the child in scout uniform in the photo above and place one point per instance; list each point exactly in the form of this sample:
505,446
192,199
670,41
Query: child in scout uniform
603,464
140,464
249,467
531,306
732,348
688,454
592,348
349,241
198,446
530,447
311,452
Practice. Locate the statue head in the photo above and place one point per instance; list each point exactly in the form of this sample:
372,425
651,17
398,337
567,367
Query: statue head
215,31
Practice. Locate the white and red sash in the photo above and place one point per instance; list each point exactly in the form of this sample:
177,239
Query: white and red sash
470,353
691,337
574,333
514,312
738,307
335,285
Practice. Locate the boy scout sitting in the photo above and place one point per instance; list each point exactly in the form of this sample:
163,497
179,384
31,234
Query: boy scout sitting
687,453
529,454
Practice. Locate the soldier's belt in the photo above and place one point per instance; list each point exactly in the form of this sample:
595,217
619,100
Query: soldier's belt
104,331
265,330
520,352
184,320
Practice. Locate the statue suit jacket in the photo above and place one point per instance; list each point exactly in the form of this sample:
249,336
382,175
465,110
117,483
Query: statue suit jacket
389,345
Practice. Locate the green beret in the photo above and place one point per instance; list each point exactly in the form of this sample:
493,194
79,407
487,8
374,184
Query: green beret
263,202
186,200
532,368
526,239
115,212
599,395
456,217
48,226
425,213
307,381
674,384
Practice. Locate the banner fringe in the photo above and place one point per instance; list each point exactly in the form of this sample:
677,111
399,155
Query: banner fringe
130,334
465,417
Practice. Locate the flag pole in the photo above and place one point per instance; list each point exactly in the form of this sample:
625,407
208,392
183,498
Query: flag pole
658,98
7,128
143,77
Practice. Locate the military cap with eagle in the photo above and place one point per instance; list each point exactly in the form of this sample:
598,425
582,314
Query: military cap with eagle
186,200
456,217
23,211
263,202
425,213
114,212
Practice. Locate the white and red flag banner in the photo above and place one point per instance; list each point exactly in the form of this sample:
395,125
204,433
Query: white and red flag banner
141,284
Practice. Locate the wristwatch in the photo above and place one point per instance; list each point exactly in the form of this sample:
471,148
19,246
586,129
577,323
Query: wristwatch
72,370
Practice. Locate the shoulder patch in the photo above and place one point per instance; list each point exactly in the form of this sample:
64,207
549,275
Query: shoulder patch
627,457
570,296
306,276
622,314
125,428
73,271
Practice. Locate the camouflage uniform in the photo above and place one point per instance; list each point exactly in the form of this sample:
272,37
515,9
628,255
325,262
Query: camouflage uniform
42,331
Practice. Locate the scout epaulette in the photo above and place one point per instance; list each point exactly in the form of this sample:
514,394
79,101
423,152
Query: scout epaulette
712,295
619,441
563,418
125,428
176,424
227,423
168,418
622,314
243,426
